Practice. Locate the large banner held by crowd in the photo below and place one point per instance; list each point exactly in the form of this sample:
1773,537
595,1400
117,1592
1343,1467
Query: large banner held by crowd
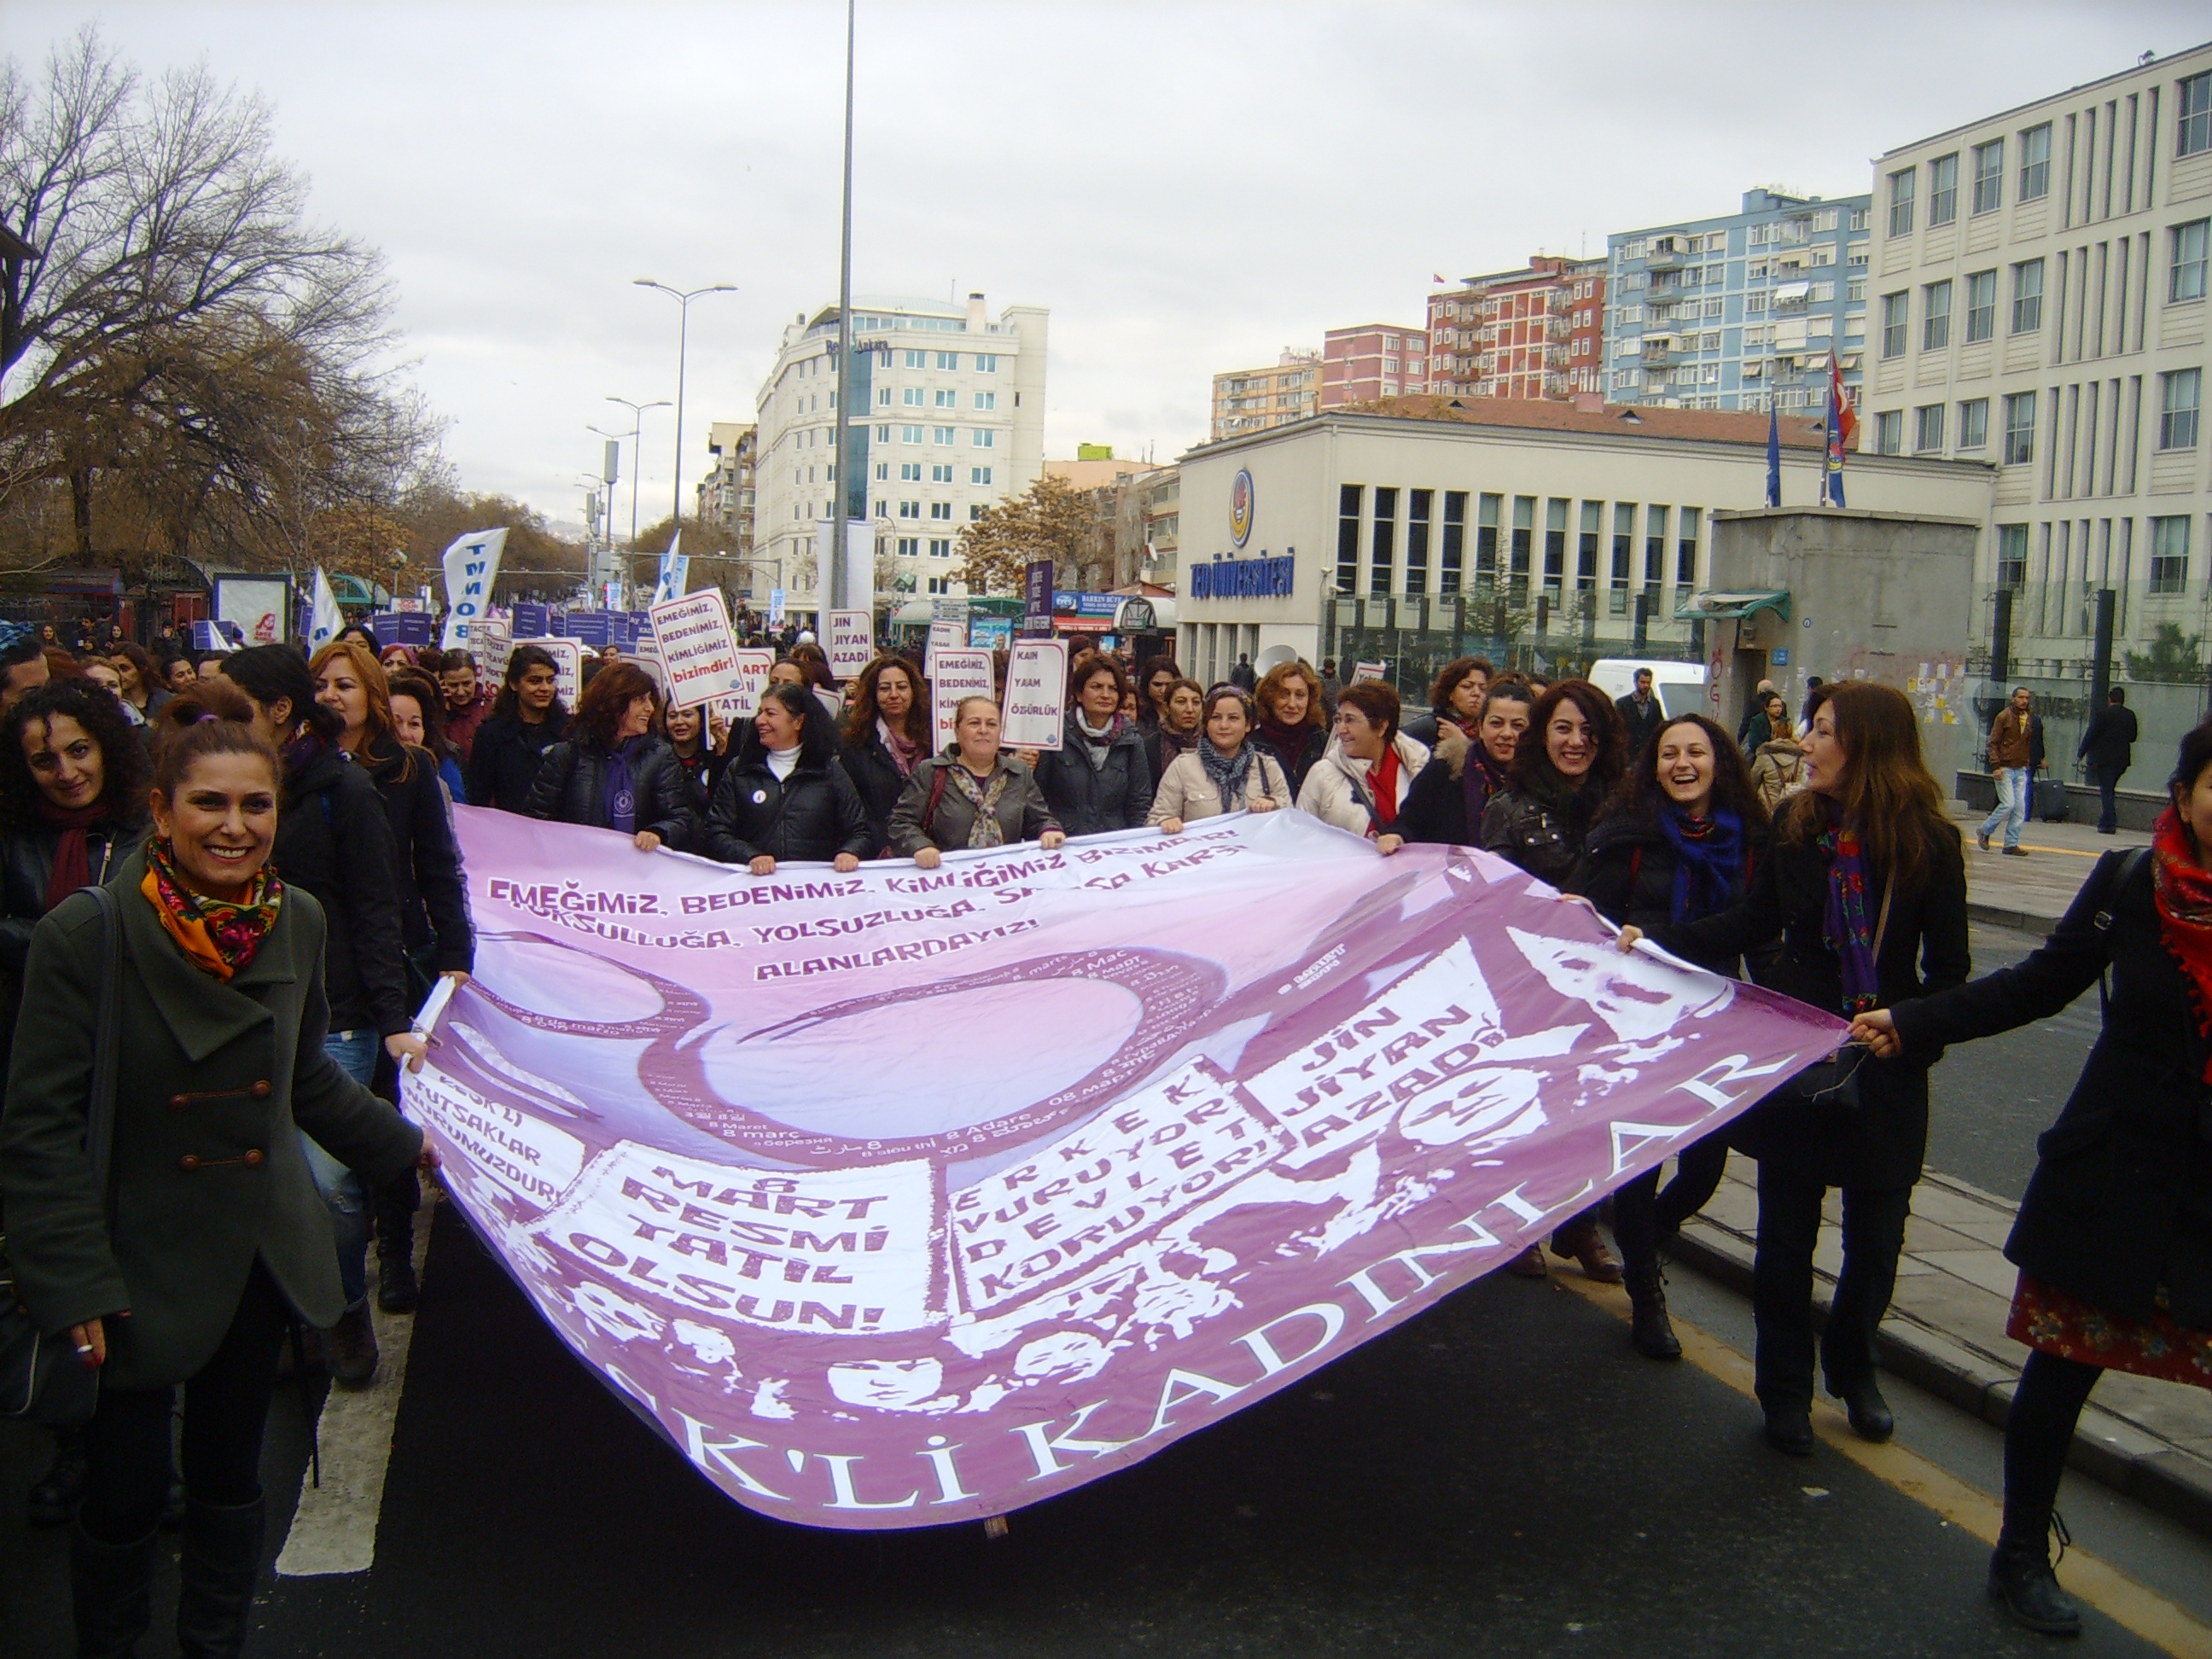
913,1196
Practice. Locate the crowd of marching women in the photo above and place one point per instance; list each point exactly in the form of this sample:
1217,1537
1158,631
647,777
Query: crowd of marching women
275,831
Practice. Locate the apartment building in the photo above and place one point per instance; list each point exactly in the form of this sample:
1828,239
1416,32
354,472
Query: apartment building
1371,361
953,423
1538,332
726,496
1740,311
1254,400
2040,303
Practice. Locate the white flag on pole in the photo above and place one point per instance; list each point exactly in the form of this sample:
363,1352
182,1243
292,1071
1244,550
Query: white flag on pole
675,570
324,624
472,567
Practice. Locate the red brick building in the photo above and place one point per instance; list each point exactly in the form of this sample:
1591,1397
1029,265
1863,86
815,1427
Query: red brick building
1373,360
1535,332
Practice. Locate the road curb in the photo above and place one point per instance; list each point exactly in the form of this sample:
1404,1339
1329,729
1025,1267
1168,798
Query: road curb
2108,1449
1997,915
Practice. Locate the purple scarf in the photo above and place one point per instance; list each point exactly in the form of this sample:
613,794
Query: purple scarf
621,791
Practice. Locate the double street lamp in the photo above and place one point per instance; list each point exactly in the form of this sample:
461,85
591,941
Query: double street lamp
683,300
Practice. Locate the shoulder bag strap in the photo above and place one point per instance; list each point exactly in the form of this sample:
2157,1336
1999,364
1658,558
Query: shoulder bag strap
936,794
2123,872
107,1045
1881,923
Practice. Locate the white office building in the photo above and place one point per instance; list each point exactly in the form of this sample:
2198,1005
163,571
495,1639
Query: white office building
2039,302
955,422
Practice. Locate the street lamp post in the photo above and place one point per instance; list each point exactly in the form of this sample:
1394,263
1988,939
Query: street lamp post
636,460
682,345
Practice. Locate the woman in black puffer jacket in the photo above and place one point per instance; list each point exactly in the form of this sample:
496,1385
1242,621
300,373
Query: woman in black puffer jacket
887,734
785,796
610,773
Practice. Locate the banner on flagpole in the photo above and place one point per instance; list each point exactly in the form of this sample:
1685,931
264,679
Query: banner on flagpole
471,570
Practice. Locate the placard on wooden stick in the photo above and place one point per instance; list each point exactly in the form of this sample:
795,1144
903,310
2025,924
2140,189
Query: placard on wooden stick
1036,712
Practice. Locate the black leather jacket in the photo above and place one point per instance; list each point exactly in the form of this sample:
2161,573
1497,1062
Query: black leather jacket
814,814
571,787
26,864
334,840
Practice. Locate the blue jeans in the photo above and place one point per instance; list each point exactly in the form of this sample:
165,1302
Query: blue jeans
355,1053
2108,807
2011,810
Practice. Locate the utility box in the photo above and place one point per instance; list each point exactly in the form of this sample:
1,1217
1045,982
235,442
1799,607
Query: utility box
1846,595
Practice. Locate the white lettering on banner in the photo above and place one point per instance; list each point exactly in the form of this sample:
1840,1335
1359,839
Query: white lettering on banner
825,1250
957,674
471,570
568,668
697,648
851,643
1037,695
1161,1151
535,1161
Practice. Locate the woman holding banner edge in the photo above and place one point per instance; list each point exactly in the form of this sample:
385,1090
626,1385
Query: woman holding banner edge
786,798
971,795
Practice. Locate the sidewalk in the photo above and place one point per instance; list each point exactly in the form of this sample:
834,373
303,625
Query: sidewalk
2031,893
2150,1441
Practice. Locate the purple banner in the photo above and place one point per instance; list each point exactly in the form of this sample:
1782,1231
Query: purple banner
907,1197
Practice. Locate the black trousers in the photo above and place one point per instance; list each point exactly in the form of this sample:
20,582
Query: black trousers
126,1444
1781,1285
2039,1430
2108,808
1642,1213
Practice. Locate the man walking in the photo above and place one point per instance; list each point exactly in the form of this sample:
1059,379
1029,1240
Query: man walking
1242,676
2010,754
1641,714
2108,746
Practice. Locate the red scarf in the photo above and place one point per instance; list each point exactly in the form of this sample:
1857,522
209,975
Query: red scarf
72,857
2182,889
1382,781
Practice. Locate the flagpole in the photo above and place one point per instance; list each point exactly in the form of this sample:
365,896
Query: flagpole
841,498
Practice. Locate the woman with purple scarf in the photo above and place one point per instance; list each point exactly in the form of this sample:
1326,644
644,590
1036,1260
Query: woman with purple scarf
1867,888
610,773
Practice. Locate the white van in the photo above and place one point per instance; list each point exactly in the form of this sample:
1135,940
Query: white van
1680,686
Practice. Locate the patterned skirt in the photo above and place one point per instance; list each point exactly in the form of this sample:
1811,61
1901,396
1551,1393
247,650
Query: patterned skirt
2073,1329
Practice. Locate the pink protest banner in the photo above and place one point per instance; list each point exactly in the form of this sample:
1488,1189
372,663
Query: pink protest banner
763,1153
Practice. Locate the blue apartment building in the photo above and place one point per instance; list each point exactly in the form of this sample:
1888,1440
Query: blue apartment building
1740,311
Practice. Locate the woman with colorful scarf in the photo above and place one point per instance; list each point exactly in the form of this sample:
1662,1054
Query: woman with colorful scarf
887,735
611,773
219,1240
2114,1238
1679,839
1227,773
1099,781
972,795
1364,775
1866,888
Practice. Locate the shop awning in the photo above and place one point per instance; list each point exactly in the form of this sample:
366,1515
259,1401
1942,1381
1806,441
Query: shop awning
1733,604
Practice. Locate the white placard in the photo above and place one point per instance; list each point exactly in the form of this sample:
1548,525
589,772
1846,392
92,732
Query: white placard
960,673
471,570
851,643
492,643
1035,713
1366,670
944,636
568,668
743,701
698,652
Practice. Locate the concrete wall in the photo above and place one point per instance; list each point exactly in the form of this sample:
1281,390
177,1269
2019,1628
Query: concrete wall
1873,595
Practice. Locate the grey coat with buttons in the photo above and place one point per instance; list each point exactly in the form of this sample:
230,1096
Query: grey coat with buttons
216,1081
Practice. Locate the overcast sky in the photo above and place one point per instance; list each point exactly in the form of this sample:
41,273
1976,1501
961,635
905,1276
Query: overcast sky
1189,187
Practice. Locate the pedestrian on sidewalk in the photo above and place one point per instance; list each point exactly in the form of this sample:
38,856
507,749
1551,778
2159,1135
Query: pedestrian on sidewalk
2108,746
2013,740
219,1240
2114,1239
1640,716
1677,840
1867,887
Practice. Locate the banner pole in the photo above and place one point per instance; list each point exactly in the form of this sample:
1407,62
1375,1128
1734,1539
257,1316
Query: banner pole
843,497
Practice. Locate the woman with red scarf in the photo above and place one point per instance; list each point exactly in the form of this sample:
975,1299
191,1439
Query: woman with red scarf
1361,782
2114,1239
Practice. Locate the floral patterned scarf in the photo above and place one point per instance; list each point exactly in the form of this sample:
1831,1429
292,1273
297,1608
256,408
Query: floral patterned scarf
217,936
1845,927
983,795
2182,889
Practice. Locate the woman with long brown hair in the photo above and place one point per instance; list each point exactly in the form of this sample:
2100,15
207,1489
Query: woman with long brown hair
1866,885
1293,724
887,734
611,773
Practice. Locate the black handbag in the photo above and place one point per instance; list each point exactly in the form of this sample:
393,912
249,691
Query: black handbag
43,1379
1835,1081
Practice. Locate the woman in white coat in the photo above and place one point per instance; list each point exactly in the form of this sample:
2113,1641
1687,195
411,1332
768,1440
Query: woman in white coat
1363,780
1225,774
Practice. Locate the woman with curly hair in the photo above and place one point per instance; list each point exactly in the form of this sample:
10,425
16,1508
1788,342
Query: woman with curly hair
1455,697
1293,723
886,735
611,773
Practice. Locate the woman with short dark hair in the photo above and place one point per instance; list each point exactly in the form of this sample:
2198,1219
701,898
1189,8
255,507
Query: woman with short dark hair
785,798
611,773
1363,777
1447,801
1456,698
1099,778
1227,773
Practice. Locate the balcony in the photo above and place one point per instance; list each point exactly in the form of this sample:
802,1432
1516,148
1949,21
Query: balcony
1665,258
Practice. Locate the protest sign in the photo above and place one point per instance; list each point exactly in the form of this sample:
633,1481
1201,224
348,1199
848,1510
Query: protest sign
738,1142
1036,711
697,649
960,671
850,643
471,571
1366,670
592,627
493,643
743,701
943,636
568,664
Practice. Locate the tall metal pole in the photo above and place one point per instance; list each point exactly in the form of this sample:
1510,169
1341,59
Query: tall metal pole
682,347
842,497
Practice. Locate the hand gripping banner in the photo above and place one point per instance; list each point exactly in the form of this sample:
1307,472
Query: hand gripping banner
913,1196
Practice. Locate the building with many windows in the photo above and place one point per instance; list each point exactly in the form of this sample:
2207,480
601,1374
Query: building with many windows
2040,296
1535,332
1371,361
954,422
1254,400
1740,311
726,494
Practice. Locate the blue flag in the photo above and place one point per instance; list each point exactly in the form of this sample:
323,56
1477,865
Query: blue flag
1773,456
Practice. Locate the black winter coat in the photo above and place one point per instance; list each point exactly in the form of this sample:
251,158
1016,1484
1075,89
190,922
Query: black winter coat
1544,839
504,759
434,896
1446,803
1640,722
572,788
1882,1142
880,783
26,864
1296,761
334,839
812,815
2109,743
701,772
1627,871
1089,801
2121,1202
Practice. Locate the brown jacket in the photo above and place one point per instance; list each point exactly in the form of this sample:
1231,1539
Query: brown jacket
2009,740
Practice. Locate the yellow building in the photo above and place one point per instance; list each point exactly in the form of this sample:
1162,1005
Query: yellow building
1247,400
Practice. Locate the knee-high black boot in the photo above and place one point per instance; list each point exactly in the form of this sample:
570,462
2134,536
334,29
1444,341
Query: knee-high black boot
221,1559
111,1588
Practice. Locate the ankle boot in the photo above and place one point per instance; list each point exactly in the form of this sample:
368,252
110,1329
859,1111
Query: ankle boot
2021,1578
111,1587
221,1560
1650,1332
1585,1244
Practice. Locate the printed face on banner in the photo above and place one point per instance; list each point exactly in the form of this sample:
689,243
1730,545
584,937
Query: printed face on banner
697,649
1037,695
852,643
569,664
958,673
738,1141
